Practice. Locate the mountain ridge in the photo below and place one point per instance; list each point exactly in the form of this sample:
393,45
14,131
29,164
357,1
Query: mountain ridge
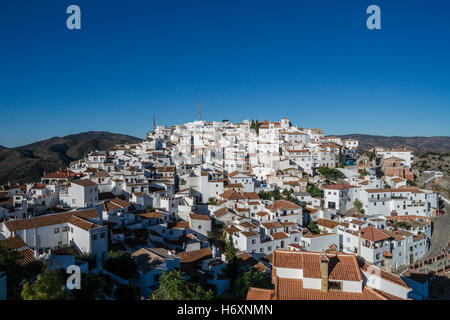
418,144
27,163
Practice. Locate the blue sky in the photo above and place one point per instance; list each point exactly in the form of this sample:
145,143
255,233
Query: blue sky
312,61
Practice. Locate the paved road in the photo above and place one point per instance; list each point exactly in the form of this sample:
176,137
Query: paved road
441,233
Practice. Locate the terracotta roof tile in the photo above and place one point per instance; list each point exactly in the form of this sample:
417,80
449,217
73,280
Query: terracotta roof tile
48,220
13,242
195,256
199,217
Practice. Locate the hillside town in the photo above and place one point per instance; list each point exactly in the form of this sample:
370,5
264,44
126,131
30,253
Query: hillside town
252,210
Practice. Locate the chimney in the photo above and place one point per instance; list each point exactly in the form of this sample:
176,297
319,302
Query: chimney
358,252
387,261
324,260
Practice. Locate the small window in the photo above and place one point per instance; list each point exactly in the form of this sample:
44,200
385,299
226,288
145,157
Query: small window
56,230
94,237
334,285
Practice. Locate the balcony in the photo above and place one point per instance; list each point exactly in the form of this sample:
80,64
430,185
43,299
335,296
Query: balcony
380,199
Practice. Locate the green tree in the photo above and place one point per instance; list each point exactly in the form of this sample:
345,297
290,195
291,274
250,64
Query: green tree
358,204
210,236
255,125
313,227
232,268
314,191
173,286
250,278
196,292
16,273
330,173
149,208
212,201
120,263
341,158
411,183
268,195
48,286
287,194
91,288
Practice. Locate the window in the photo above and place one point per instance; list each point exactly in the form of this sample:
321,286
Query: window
94,237
253,241
199,227
102,235
56,230
334,285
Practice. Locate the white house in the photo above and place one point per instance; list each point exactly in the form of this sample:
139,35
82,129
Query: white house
81,194
82,229
151,262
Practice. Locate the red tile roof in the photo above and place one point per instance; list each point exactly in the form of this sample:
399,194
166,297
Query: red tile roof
199,217
13,243
292,289
338,186
282,205
85,183
259,294
341,266
48,220
373,234
195,256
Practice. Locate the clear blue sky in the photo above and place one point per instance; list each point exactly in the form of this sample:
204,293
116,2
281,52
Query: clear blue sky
312,61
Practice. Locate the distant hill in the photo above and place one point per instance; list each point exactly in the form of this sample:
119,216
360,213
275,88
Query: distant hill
27,163
417,144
